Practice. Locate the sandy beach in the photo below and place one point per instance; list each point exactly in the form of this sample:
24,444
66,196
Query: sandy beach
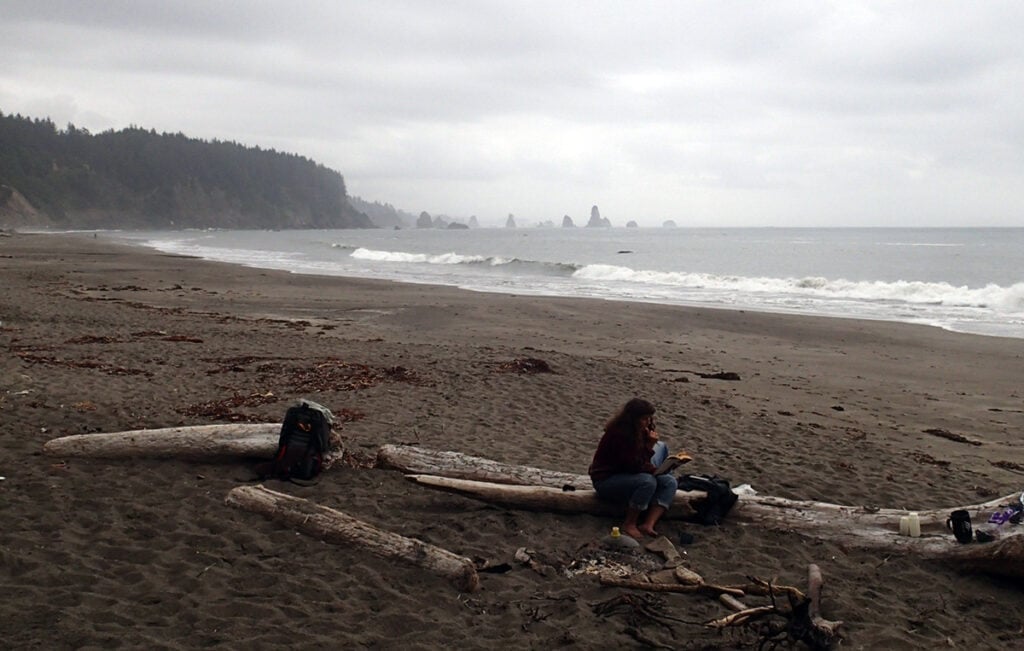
99,337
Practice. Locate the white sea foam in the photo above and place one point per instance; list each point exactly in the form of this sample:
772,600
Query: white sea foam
401,256
1003,299
244,257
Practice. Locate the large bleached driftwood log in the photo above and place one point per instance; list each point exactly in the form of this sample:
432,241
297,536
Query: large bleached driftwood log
220,442
337,527
206,442
411,459
537,498
856,526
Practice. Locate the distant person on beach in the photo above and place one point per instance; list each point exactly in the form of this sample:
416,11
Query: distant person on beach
623,469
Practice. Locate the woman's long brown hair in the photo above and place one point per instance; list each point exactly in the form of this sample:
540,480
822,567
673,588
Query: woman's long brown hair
629,416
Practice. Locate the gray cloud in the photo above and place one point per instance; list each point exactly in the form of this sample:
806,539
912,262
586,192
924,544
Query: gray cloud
789,113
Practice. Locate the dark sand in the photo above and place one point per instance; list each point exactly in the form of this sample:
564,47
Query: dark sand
144,554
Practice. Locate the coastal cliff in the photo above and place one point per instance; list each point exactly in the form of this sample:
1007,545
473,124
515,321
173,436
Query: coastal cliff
138,179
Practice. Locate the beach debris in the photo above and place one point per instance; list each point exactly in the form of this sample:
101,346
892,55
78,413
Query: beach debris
491,567
1007,465
924,457
731,602
109,369
183,338
608,563
225,409
801,619
639,609
686,576
645,583
528,365
798,620
959,438
545,567
235,364
728,376
93,339
338,375
331,374
744,489
663,546
335,527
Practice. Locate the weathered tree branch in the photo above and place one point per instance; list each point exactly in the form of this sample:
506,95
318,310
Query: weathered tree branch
338,528
637,584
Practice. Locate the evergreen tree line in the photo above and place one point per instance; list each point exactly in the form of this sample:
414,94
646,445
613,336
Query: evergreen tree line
134,178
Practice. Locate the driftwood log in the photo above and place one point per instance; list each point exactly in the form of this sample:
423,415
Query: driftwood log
855,526
537,498
220,442
336,527
232,440
818,630
411,459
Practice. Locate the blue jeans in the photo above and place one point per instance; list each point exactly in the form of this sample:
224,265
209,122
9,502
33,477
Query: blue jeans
638,490
660,453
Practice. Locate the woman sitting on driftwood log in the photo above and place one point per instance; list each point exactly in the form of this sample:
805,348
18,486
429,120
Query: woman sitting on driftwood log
623,469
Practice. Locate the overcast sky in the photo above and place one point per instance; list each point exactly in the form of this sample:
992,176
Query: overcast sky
808,113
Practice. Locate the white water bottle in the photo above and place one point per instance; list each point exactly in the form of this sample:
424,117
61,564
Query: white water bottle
914,523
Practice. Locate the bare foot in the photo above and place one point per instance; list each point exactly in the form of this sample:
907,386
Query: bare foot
633,532
648,530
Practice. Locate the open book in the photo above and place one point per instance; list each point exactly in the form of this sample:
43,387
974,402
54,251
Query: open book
672,462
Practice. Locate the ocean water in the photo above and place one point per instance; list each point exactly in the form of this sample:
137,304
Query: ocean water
965,279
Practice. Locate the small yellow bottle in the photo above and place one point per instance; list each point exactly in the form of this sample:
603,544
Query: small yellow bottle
617,541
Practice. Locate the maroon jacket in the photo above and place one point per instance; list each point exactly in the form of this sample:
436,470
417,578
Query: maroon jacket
621,453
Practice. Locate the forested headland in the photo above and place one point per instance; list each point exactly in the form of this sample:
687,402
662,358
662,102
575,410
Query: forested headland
140,179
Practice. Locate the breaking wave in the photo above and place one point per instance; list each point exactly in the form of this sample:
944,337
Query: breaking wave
558,268
994,297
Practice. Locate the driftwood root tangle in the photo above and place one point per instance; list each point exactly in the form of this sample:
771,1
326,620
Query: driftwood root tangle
336,527
801,619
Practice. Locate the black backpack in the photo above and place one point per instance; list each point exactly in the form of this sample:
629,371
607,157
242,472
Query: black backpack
303,444
719,501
